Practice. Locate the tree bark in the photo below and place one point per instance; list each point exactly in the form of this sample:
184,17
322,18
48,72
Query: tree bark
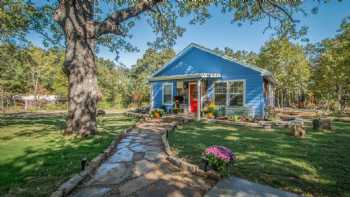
83,91
76,20
76,17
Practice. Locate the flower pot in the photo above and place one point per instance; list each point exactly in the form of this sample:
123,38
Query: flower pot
157,115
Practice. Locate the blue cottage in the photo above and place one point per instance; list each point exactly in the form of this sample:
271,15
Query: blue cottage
198,76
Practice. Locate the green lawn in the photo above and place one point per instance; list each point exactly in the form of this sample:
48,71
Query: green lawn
318,165
35,158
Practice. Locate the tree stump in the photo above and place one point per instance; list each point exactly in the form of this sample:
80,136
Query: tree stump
298,131
316,124
297,128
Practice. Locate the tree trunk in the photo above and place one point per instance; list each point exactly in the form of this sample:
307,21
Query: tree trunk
83,90
339,89
76,20
2,100
76,17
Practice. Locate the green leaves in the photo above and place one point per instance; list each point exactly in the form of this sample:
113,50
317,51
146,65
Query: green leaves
13,19
287,61
25,70
151,61
331,68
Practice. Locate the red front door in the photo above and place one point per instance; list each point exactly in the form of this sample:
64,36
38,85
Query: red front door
193,98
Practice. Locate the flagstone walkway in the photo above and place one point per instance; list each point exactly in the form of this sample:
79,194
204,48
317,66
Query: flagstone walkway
139,168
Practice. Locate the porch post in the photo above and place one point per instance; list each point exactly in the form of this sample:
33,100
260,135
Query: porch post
199,103
151,96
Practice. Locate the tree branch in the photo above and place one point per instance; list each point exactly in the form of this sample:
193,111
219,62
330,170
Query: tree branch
60,12
281,9
112,23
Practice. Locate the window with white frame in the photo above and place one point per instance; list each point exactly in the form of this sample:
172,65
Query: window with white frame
235,93
167,93
229,93
220,91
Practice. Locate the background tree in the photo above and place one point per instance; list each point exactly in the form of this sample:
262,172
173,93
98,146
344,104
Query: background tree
14,20
151,61
243,56
31,70
331,69
113,81
291,68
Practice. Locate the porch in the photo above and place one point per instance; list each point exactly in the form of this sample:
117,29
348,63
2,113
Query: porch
192,93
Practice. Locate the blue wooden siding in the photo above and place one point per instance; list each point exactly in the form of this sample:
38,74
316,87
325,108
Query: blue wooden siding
157,94
199,61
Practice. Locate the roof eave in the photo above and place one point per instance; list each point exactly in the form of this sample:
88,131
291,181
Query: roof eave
186,76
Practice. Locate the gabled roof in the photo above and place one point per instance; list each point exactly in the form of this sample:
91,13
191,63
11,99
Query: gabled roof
263,72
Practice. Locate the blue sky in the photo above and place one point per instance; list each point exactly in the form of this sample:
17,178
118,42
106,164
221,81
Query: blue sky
219,32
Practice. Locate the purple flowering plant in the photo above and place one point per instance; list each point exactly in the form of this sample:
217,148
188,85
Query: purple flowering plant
219,157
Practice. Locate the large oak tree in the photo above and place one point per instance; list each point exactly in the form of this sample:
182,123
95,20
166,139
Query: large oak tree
86,24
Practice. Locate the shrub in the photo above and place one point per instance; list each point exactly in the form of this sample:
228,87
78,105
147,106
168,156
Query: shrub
218,158
211,108
271,113
235,118
176,110
219,112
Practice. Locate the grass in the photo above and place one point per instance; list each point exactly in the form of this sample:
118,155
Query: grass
35,158
318,165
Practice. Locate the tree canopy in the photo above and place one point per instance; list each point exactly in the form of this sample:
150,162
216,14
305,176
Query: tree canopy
331,68
288,63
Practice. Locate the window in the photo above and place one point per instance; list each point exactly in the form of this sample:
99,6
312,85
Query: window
235,93
167,93
220,90
229,93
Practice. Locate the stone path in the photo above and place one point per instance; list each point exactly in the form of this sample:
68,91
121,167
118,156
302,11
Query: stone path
139,168
236,187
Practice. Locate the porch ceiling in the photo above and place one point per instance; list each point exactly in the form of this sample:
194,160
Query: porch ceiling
185,76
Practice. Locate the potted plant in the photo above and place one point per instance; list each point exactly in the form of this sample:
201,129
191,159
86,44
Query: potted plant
157,113
218,158
211,110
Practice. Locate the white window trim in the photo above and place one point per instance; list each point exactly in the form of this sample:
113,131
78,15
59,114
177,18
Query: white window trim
227,92
172,92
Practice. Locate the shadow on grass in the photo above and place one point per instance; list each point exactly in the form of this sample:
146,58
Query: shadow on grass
35,158
315,166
